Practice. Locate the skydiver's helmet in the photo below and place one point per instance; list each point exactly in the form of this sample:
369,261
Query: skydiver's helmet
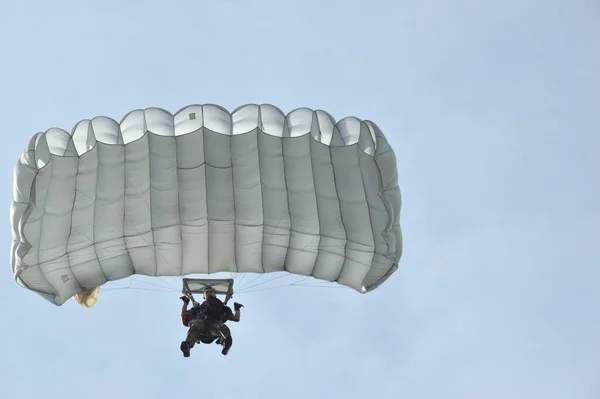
209,291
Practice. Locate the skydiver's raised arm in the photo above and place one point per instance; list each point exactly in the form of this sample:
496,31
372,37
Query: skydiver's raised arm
237,315
184,311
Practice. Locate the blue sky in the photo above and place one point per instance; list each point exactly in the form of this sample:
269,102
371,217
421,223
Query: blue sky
491,108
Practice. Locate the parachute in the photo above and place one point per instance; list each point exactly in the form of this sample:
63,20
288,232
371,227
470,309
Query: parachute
205,191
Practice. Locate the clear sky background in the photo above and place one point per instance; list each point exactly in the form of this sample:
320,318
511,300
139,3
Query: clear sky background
492,109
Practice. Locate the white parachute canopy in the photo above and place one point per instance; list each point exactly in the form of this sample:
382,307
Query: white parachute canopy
201,192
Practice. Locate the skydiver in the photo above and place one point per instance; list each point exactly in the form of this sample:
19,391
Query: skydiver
206,320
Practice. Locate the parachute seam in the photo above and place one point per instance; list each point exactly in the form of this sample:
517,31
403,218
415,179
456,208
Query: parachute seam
122,237
98,170
312,171
233,194
71,227
42,272
369,211
150,207
125,198
181,249
262,194
78,157
287,193
337,194
206,194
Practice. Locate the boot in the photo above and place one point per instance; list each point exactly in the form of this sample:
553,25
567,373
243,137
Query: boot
227,345
185,348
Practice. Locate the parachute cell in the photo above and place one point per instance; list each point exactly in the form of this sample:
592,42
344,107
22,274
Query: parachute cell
205,191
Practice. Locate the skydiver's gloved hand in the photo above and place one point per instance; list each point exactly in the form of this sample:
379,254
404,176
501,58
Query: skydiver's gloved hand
185,299
237,306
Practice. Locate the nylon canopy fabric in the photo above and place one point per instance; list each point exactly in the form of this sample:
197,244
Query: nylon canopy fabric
205,191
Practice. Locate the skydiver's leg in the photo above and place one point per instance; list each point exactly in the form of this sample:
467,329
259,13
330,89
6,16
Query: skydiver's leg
185,348
228,338
225,330
195,331
193,334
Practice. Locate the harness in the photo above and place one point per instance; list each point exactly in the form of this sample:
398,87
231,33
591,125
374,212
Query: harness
211,310
214,316
215,309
